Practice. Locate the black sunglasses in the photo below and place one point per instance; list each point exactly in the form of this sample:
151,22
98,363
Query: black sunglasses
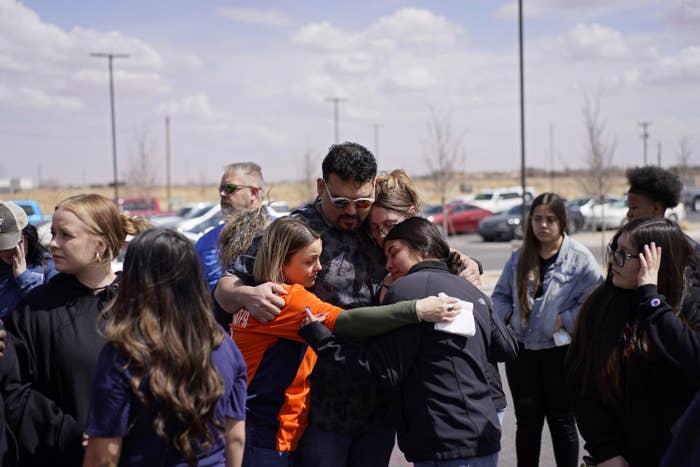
619,257
231,188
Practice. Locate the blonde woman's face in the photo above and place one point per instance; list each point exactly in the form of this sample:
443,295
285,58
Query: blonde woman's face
73,246
304,265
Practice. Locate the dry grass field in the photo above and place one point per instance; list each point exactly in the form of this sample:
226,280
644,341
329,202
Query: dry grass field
298,193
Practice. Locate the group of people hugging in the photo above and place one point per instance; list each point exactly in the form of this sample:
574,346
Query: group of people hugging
344,327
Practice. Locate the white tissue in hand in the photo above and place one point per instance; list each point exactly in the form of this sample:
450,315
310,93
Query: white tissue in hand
463,324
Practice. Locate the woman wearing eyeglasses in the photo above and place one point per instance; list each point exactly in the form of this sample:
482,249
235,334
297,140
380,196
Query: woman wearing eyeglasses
635,360
539,293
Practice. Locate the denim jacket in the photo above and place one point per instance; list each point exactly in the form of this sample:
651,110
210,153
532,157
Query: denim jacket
567,283
13,289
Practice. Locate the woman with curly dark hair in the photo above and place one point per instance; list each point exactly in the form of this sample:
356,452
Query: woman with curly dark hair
170,386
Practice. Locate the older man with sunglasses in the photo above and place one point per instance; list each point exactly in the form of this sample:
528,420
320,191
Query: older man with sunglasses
241,187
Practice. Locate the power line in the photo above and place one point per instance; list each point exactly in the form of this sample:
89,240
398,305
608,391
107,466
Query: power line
110,57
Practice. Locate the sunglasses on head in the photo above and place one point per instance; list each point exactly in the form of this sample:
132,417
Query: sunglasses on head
619,257
230,188
341,202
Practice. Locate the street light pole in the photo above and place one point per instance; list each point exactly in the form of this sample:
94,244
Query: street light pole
110,57
522,109
167,163
336,116
551,157
376,127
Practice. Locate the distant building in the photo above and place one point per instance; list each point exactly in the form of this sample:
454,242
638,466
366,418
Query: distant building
13,185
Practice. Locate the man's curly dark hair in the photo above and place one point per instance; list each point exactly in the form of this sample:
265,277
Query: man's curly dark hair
350,161
656,183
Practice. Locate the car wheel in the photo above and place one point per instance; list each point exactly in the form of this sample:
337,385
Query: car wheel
571,227
517,233
696,204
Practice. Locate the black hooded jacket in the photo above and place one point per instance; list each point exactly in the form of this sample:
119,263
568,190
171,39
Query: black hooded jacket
55,335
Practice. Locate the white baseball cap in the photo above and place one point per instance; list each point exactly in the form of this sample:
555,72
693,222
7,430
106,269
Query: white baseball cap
12,220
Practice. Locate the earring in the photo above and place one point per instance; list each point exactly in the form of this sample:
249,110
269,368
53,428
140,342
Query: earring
98,257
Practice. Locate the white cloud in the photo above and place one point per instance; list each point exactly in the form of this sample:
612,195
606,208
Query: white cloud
593,42
34,49
262,17
261,133
26,97
684,13
587,8
196,106
682,68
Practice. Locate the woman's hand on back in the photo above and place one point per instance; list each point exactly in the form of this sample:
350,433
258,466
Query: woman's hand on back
437,309
649,264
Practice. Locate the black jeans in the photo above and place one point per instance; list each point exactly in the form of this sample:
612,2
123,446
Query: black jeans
537,383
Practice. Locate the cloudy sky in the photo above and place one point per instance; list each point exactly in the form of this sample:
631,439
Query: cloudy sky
250,81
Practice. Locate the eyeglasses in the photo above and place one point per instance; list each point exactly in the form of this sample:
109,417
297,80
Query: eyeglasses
231,188
341,202
619,257
382,229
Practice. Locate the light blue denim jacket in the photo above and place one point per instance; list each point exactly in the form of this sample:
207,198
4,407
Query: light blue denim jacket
567,283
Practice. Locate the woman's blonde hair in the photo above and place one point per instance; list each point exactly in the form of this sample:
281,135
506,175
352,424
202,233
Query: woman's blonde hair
104,220
239,232
396,191
280,241
161,323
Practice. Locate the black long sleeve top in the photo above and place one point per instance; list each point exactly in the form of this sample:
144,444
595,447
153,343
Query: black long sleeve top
55,332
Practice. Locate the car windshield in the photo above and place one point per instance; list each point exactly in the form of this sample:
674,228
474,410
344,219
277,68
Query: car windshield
483,197
199,212
432,210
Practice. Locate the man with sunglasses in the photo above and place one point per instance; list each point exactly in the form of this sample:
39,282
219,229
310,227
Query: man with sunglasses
241,187
347,422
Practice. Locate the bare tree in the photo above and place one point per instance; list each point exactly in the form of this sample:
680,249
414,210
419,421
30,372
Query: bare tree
683,157
445,155
600,150
142,170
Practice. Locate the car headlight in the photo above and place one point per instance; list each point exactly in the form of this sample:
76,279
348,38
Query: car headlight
513,221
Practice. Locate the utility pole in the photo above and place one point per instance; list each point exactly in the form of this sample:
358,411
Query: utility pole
167,163
522,109
336,117
110,57
645,137
551,157
376,127
658,153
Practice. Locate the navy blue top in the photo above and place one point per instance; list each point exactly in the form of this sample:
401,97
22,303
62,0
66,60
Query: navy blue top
116,412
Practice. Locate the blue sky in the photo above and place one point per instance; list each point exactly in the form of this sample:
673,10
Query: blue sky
248,81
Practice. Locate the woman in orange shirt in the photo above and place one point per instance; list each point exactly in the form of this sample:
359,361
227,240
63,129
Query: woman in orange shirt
279,361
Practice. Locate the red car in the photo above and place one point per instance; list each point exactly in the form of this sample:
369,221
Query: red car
139,206
461,217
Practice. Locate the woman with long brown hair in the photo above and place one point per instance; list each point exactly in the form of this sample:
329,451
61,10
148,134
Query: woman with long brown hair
539,293
170,386
55,328
634,358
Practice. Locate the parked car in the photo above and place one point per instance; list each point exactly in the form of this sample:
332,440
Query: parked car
610,213
33,210
505,226
690,197
461,217
509,225
139,206
187,211
500,199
